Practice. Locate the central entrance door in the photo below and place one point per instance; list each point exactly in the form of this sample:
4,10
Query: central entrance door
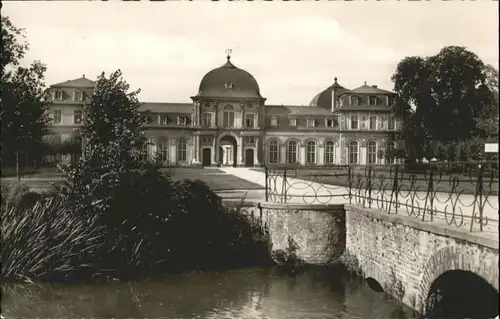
206,157
249,157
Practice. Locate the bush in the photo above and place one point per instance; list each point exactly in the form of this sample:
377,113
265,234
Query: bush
150,225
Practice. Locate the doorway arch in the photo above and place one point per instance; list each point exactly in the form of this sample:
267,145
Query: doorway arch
228,150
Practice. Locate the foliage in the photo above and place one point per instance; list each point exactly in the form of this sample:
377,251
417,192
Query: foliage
444,98
54,240
23,90
45,241
288,259
112,153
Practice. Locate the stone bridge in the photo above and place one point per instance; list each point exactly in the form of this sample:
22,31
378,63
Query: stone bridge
405,256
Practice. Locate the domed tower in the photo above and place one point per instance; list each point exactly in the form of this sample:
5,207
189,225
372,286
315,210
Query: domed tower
228,82
327,99
229,107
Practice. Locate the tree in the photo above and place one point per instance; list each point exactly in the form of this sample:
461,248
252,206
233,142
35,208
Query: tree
441,97
487,119
112,135
23,104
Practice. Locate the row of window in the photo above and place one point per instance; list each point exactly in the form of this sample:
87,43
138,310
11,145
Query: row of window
164,119
273,153
57,116
228,120
310,122
162,150
77,95
370,122
371,100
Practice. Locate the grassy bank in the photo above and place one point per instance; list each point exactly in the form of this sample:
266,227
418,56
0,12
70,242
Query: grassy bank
153,227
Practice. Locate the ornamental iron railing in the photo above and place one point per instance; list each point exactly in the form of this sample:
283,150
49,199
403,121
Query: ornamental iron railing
463,194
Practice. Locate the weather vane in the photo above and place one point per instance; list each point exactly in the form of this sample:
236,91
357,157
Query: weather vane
228,52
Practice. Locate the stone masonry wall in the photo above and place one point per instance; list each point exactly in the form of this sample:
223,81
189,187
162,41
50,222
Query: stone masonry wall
317,230
391,248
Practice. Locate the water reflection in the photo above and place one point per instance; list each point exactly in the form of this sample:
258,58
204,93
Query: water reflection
245,293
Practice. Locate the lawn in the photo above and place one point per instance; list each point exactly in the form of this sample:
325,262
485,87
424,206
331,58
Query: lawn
214,178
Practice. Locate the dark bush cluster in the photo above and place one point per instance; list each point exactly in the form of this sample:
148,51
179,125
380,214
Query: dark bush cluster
149,226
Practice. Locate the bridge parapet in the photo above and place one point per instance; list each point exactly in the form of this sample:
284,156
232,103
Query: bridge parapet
394,248
461,194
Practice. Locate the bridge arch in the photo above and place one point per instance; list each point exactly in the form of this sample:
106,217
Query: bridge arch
374,272
450,262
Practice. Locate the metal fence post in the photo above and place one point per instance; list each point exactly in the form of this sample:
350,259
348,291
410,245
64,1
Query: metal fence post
266,173
349,182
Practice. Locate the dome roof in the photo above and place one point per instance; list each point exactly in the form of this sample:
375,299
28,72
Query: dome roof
324,98
228,81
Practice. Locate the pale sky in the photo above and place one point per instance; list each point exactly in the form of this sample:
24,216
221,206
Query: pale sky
293,49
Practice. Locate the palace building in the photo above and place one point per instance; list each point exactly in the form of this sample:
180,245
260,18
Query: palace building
229,123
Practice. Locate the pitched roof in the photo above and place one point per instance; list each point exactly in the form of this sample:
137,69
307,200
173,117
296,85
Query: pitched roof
82,82
365,107
155,107
296,110
366,89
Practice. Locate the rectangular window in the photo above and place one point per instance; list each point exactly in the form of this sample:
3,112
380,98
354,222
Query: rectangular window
391,123
249,120
59,95
78,95
77,117
163,119
372,100
391,100
228,119
57,116
274,121
354,122
311,122
181,151
353,100
181,120
293,122
330,123
373,122
381,124
207,119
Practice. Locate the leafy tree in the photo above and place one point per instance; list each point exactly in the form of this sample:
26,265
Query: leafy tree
113,143
441,98
487,119
23,90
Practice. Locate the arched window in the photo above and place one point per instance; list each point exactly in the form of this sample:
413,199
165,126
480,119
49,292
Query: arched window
390,147
228,118
273,152
372,152
353,152
182,151
291,152
162,150
329,152
311,152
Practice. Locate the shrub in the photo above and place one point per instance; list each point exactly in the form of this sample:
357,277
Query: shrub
150,225
45,241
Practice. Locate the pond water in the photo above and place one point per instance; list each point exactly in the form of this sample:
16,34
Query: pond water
243,293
